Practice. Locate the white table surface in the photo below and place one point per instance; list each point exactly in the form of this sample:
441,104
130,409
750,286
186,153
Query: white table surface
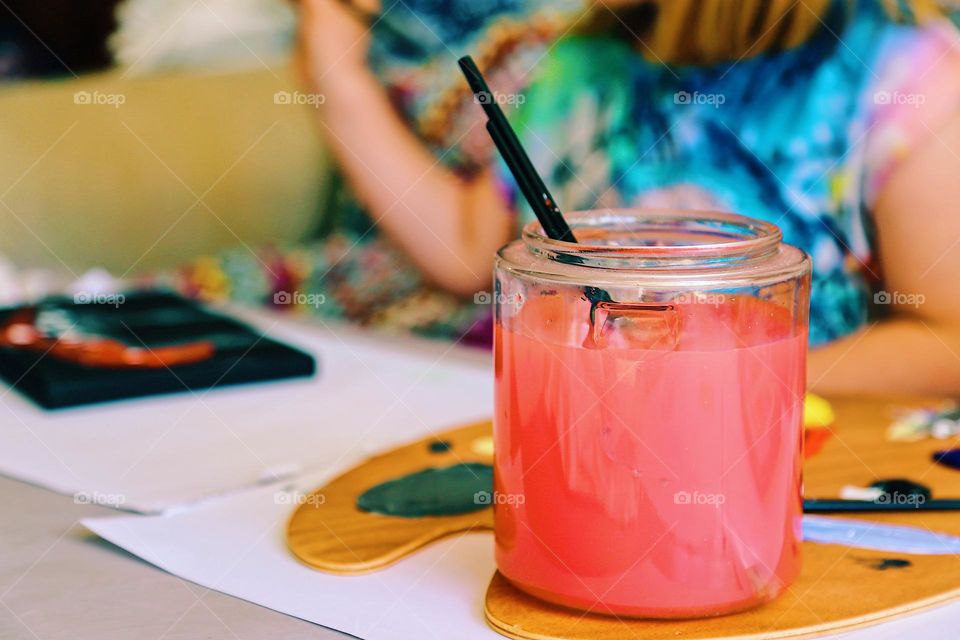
158,453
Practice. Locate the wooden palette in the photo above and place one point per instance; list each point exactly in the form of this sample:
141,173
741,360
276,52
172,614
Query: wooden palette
839,587
330,533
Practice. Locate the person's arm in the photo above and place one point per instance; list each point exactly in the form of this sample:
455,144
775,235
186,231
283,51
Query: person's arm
450,227
917,350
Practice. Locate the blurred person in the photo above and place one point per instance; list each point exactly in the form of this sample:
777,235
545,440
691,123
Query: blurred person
838,120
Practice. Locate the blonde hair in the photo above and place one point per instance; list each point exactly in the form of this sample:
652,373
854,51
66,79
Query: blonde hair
704,31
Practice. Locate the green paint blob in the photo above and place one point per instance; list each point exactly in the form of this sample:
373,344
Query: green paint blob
441,491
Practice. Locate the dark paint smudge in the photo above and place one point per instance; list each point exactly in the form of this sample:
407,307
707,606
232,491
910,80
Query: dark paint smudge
882,564
440,491
949,458
439,446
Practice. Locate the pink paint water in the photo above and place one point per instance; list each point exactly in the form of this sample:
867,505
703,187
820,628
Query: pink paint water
651,468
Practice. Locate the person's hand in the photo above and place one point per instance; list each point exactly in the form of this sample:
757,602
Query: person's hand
333,39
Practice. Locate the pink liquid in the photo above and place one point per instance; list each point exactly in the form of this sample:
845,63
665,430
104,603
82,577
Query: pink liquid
652,468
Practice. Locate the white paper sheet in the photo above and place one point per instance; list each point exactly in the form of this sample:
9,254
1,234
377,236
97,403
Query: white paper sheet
236,545
153,454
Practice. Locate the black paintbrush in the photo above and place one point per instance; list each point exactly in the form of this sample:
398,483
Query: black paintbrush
814,505
528,180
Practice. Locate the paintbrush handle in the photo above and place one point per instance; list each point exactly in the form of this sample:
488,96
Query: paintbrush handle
864,506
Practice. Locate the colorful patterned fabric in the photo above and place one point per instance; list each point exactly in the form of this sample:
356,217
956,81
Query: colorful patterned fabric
804,138
506,38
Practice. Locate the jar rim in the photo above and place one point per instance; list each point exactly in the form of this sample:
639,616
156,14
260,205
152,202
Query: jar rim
698,236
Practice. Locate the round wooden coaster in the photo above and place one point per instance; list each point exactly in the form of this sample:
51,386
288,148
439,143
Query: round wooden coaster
839,588
329,532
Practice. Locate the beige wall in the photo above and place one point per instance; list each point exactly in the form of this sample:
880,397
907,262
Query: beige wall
117,186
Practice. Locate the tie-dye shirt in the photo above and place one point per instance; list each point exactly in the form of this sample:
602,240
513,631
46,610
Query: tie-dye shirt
804,138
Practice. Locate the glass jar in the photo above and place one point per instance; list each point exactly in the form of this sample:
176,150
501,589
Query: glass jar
649,402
